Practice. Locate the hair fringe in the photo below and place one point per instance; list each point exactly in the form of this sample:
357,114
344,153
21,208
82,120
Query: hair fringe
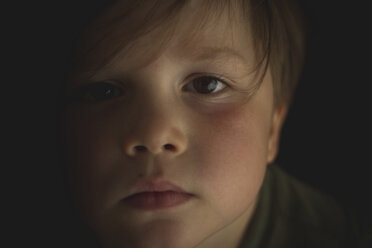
277,30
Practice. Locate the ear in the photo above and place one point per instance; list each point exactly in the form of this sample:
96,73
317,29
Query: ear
276,126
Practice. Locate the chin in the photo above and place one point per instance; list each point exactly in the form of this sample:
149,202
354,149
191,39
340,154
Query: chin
159,234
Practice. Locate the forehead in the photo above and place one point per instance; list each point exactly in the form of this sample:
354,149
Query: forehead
190,30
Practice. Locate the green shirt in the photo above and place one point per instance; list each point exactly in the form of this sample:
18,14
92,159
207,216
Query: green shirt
292,214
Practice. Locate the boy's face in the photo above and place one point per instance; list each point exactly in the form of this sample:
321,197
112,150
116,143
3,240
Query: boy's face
172,121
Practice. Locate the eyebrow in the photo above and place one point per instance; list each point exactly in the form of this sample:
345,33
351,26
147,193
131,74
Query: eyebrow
203,53
215,53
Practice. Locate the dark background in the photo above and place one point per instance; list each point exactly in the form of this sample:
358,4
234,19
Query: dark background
326,140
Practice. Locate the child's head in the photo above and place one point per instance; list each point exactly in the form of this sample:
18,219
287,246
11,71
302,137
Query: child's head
182,97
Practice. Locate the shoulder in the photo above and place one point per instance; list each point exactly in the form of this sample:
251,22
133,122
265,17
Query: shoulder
299,202
302,215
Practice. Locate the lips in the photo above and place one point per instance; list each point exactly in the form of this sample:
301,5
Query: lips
156,195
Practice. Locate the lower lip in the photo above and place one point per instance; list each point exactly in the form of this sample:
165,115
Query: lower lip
157,200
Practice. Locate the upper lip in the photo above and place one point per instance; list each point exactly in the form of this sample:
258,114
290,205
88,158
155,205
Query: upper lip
155,186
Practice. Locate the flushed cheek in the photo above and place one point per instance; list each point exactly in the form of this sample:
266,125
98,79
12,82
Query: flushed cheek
232,150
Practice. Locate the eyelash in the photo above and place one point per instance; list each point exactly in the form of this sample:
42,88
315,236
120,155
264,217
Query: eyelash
104,91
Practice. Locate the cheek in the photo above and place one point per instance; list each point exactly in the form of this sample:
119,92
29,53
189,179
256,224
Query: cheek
92,160
86,144
232,157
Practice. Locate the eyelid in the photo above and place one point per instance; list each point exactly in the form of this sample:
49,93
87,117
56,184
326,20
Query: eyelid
88,83
225,79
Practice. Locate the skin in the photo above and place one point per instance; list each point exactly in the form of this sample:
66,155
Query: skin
220,143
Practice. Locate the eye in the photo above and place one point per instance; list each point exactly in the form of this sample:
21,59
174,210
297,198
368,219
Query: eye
97,92
205,85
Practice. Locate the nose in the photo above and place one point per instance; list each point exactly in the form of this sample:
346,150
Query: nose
155,131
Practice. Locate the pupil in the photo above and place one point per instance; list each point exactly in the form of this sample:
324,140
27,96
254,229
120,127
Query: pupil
205,85
101,92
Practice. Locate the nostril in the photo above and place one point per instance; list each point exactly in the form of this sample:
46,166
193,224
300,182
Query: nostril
170,147
140,148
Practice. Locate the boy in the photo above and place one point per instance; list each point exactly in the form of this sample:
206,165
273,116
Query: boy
174,113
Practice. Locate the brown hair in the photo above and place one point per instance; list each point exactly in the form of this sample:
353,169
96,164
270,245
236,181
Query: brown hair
277,30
